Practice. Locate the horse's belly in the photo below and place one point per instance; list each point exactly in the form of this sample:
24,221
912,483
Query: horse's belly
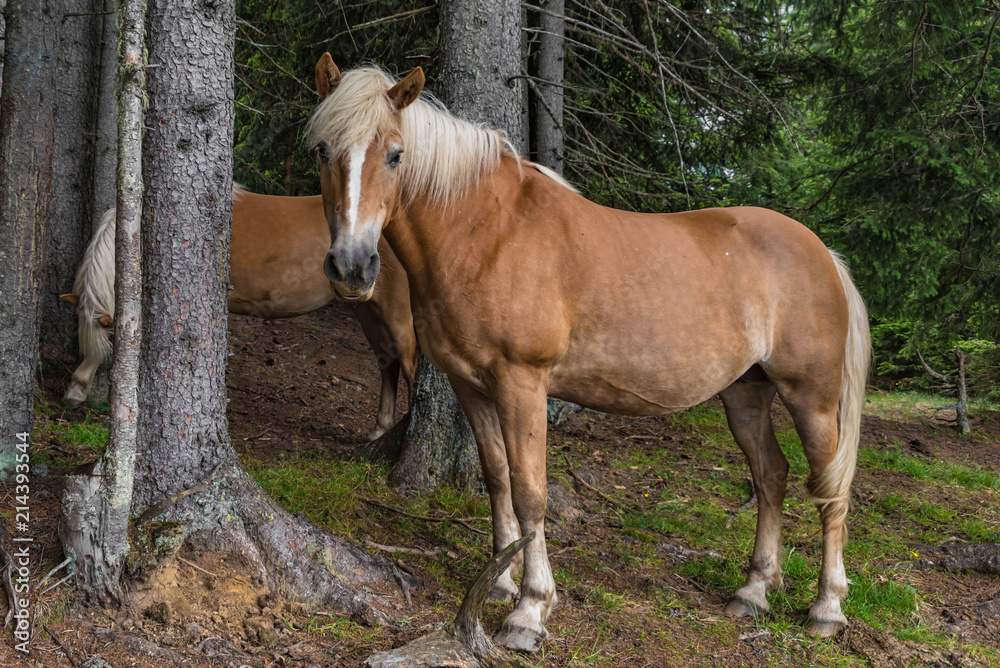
640,378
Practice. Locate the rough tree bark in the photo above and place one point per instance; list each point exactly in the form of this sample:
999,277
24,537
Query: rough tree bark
184,445
481,64
94,526
26,142
105,152
78,62
547,88
480,81
3,29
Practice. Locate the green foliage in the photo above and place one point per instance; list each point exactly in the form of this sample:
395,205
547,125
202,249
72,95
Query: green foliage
898,130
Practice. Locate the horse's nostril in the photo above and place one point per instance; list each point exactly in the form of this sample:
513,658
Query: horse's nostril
372,261
331,269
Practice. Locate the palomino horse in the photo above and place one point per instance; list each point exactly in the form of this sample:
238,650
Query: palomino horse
278,246
538,292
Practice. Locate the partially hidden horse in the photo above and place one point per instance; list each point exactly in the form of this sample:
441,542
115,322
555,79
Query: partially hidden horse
278,247
533,291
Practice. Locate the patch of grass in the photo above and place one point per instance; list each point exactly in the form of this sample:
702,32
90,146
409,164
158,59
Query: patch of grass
703,416
608,600
700,521
93,434
713,573
974,477
879,601
348,631
326,490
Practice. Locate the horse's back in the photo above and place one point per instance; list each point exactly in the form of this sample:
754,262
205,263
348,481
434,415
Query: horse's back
651,313
278,244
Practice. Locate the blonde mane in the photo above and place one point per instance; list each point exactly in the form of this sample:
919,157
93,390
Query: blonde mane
445,156
94,288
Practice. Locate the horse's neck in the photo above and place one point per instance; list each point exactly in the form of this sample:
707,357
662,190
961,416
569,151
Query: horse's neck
428,239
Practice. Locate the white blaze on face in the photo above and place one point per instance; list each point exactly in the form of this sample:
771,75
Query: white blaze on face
357,160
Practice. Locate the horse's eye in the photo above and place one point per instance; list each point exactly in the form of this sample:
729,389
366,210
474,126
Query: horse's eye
394,157
323,149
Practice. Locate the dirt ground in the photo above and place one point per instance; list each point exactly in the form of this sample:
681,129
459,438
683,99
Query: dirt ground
309,386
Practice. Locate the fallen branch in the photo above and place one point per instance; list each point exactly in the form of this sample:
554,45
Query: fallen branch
433,553
58,642
464,521
593,489
983,558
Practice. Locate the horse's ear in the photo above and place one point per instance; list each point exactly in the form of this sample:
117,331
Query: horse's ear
327,75
105,320
407,90
70,299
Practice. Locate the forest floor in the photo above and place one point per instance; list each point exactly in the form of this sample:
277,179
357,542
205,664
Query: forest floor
643,571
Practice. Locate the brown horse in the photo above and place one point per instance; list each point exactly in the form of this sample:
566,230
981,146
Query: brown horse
278,246
533,291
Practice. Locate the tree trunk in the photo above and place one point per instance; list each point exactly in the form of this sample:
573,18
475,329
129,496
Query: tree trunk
480,81
187,470
105,155
481,64
439,448
962,411
3,29
71,213
94,526
26,144
547,93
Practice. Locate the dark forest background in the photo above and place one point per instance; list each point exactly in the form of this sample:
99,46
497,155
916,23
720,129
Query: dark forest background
875,124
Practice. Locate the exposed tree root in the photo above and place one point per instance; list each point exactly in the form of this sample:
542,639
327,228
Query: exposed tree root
984,558
229,512
462,643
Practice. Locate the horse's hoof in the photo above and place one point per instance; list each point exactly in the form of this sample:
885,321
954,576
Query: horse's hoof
740,608
521,639
818,629
501,594
375,433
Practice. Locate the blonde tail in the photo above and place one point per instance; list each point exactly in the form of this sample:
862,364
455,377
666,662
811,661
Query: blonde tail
831,489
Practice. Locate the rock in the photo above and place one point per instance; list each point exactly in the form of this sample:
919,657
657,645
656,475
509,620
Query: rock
95,662
563,502
558,410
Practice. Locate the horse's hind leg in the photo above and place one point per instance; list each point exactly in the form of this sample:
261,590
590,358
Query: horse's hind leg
813,406
748,409
387,358
485,424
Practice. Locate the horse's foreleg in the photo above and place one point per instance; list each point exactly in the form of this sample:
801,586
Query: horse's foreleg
748,409
386,417
482,416
520,399
83,378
